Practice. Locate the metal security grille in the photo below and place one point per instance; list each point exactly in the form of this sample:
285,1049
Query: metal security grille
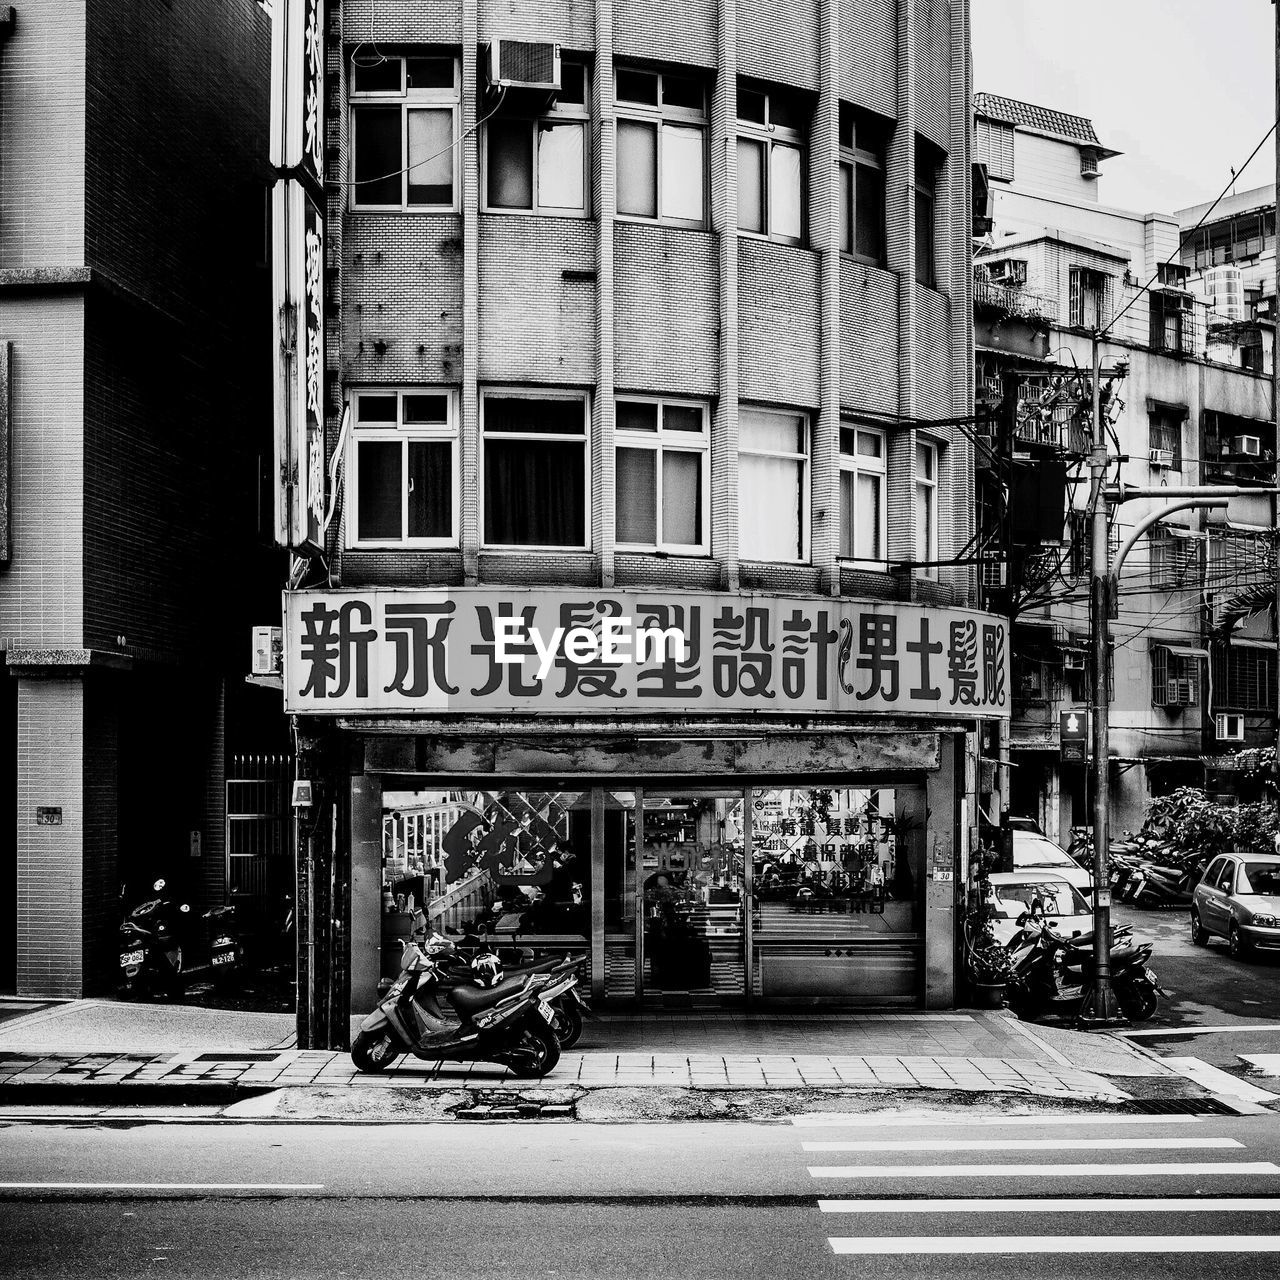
1243,679
257,844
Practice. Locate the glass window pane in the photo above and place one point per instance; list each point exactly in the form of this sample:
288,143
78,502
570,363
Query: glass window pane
682,498
429,73
426,410
510,164
846,204
534,493
637,496
845,127
431,157
374,74
637,415
769,525
682,91
784,191
548,417
777,432
682,173
561,182
924,461
638,86
866,544
379,464
430,489
682,417
637,168
870,445
378,157
751,105
750,185
870,214
375,408
924,239
573,85
784,111
847,514
924,524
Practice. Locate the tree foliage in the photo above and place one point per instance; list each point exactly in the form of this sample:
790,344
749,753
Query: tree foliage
1190,823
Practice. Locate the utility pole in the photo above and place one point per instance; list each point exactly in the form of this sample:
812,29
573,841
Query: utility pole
1100,1007
1275,371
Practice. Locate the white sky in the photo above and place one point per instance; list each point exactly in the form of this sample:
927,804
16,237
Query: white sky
1185,88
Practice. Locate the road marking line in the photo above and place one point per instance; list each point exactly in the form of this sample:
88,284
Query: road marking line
1218,1081
161,1186
819,1120
1032,1245
1155,1033
1078,1205
1058,1170
1268,1063
1028,1144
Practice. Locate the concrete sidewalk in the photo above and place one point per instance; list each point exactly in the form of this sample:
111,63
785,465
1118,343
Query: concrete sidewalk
90,1044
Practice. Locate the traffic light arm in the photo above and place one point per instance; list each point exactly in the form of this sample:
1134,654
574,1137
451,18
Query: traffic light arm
1155,517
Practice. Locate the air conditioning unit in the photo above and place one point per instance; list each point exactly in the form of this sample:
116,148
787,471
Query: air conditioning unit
522,64
1178,693
268,651
1073,660
1229,728
1247,446
1161,458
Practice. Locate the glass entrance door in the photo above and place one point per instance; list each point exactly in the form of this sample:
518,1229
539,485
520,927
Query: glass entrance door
693,887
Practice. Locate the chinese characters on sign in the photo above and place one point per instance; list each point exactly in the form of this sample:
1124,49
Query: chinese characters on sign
405,651
297,87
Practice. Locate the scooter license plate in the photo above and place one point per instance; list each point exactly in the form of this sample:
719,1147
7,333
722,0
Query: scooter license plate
132,957
547,1016
224,957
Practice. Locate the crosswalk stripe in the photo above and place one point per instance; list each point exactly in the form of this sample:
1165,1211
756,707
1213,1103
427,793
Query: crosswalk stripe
1028,1144
1218,1081
1113,1204
818,1120
1057,1170
1030,1246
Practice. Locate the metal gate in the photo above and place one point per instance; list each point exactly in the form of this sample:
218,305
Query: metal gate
258,866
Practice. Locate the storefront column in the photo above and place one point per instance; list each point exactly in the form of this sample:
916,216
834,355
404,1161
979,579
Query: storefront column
366,890
597,894
940,862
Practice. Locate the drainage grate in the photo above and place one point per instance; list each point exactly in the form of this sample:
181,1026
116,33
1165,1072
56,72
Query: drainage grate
237,1057
1180,1107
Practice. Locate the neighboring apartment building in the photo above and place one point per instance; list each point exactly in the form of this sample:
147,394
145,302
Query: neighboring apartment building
673,326
132,392
1192,675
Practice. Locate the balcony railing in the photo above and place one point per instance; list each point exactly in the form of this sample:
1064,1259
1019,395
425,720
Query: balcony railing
1013,300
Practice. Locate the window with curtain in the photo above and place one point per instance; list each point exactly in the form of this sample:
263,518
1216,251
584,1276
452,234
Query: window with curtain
404,127
927,507
771,128
773,485
539,163
662,475
661,145
402,468
862,494
863,140
535,470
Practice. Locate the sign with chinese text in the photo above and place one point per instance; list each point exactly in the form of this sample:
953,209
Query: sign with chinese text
400,651
297,87
298,299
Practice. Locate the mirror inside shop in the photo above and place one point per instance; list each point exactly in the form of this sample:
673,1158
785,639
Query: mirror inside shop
753,891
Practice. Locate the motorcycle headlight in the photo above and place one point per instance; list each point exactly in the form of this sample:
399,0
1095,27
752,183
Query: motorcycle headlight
1265,922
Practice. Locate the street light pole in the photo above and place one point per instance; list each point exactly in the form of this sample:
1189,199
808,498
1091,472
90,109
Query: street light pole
1100,1007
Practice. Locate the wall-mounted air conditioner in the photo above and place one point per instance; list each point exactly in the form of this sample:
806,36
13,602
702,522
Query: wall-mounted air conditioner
1178,693
1161,458
268,651
1229,728
522,65
1072,660
1248,446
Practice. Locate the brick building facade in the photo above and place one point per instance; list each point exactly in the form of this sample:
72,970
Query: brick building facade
133,189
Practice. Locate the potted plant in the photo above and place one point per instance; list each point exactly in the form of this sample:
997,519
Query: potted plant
987,961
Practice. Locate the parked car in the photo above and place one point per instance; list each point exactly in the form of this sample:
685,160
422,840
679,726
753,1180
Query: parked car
1014,892
1032,852
1024,824
1238,898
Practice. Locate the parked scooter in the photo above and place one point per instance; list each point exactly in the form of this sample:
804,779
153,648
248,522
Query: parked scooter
1165,884
510,1022
228,955
1051,973
151,945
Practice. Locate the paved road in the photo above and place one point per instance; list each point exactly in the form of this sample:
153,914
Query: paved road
1210,991
962,1193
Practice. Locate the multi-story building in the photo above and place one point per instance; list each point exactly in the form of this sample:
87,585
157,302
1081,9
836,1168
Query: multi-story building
133,190
1192,671
661,317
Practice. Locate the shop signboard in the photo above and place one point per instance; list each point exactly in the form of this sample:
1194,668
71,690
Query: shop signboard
405,651
298,300
297,88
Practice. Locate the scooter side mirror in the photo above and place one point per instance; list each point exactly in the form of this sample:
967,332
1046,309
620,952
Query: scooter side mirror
159,884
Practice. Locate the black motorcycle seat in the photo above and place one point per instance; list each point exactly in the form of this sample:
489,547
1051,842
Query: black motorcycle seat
473,1000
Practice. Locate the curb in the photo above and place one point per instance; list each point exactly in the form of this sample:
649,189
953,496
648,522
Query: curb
142,1094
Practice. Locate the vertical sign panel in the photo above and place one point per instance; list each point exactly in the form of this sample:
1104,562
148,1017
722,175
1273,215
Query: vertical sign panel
297,87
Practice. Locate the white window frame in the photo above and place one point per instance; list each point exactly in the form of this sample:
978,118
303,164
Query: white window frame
768,135
925,499
557,113
662,442
851,158
408,101
661,116
535,393
858,464
398,432
805,495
